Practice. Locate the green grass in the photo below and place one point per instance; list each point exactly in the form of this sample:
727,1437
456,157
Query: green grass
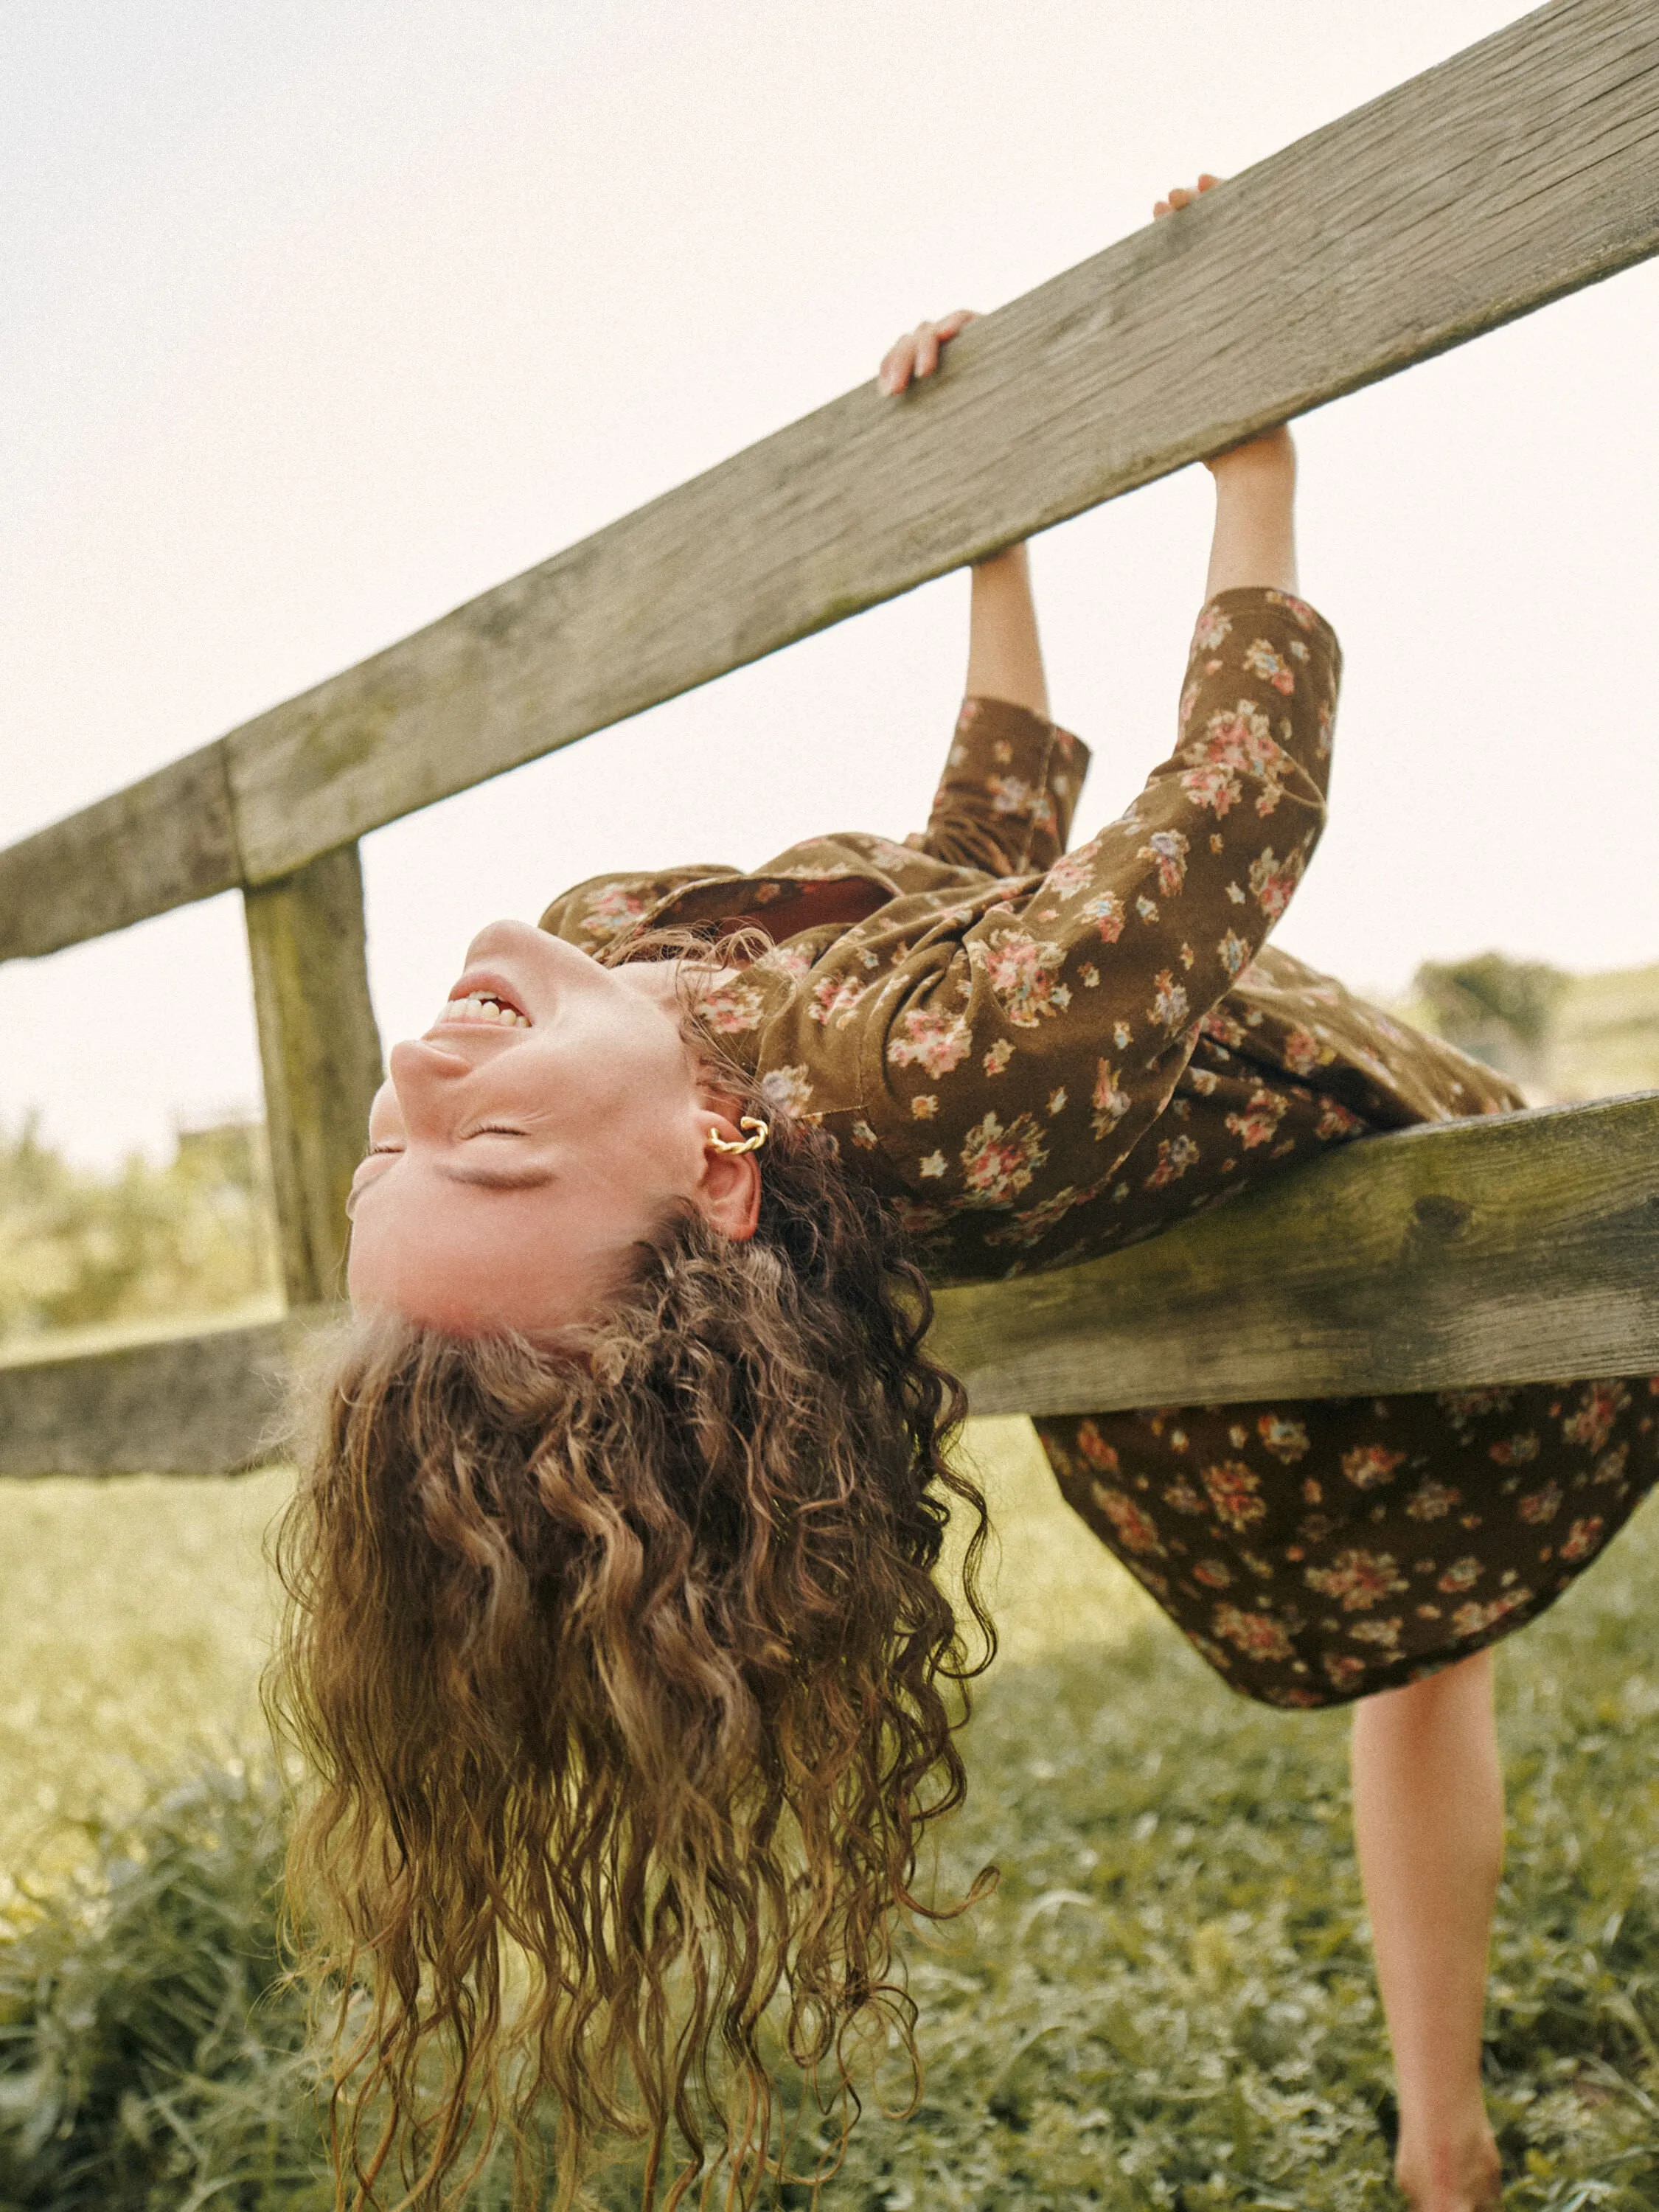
1168,2001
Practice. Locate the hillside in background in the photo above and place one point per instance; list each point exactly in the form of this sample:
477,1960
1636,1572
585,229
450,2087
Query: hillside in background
1563,1038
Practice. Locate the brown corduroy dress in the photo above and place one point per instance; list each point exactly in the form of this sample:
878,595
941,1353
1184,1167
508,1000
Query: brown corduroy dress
1039,1055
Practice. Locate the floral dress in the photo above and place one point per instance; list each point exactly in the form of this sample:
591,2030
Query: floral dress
1038,1055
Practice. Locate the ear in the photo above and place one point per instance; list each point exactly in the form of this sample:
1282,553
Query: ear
728,1193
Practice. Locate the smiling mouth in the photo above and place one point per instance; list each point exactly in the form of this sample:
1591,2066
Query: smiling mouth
484,998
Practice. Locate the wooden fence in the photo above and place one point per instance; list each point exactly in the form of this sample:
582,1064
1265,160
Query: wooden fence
1512,1250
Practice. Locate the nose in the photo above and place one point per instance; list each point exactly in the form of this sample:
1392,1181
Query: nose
424,1077
498,940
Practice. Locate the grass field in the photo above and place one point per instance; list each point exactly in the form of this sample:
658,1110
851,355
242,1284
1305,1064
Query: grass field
1167,2002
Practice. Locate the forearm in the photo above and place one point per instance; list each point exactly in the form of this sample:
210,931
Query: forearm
1005,656
1255,540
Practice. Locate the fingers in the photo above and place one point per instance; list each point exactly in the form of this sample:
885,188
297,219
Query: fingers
1182,196
919,352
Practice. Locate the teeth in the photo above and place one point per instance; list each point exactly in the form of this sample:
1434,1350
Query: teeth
480,1008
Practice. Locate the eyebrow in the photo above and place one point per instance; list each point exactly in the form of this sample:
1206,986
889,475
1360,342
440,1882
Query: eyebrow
526,1178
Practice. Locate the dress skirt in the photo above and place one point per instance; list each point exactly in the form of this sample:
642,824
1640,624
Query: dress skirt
1321,1550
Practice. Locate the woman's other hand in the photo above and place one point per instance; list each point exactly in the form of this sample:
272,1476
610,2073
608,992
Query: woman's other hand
919,352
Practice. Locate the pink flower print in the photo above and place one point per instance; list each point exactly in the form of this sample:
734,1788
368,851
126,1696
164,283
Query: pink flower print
1259,1123
834,997
1599,1408
1232,1489
1169,1005
1539,1505
1287,1440
731,1010
1221,1025
1347,1672
1241,737
1136,1530
931,1039
1367,1465
1213,786
1303,1052
1610,1467
1009,794
1215,1574
1072,870
1384,1633
787,1088
1032,1223
1583,1538
1232,952
932,1167
1261,660
1021,974
1336,1122
1297,609
1109,1100
1461,1575
1181,1494
1189,701
1105,910
1095,1449
997,1057
1257,1635
1359,1579
611,911
1273,880
1516,1451
1432,1501
924,1106
1212,627
1474,1619
1174,1156
790,960
920,1216
1167,849
998,1162
1462,1407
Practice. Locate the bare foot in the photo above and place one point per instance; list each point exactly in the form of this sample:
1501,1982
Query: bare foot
1461,2177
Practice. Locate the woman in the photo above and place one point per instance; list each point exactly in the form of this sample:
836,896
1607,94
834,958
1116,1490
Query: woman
613,1629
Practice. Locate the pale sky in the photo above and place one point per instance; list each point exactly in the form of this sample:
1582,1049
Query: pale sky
318,318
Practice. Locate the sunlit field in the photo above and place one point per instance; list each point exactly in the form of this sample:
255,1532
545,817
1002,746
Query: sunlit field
1166,2002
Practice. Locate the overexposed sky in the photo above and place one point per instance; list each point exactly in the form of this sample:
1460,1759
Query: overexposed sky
318,318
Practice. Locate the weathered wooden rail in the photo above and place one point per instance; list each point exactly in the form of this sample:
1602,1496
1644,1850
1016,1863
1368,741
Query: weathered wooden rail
1518,171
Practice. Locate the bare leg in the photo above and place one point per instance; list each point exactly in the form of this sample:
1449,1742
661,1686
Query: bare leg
1428,1809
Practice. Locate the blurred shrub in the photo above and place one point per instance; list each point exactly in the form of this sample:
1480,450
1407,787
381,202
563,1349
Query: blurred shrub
78,1248
151,2058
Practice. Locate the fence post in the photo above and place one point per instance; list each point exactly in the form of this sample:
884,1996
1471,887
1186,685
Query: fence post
319,1050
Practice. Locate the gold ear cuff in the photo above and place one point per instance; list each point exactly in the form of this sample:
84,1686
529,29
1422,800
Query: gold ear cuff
762,1130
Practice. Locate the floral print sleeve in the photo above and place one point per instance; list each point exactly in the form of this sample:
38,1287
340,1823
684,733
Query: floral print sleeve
1012,1049
1010,787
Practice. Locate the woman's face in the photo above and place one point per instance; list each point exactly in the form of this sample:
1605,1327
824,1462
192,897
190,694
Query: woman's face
539,1129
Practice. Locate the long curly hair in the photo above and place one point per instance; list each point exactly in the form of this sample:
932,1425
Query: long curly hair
627,1688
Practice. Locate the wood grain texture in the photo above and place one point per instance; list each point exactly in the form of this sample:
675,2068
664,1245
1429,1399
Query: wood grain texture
157,845
1518,171
189,1405
1514,1250
319,1052
1509,1250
